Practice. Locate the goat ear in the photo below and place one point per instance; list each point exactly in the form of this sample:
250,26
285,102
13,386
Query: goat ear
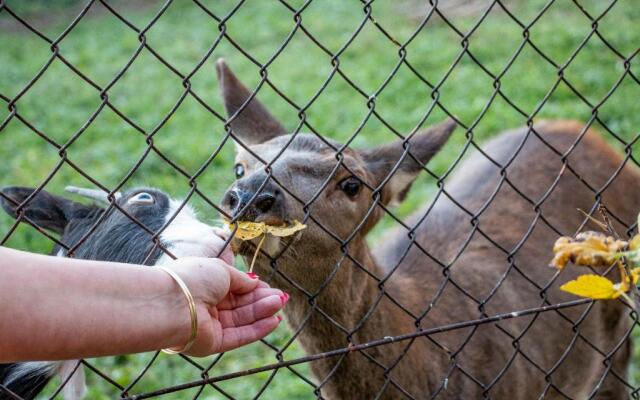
381,161
45,210
252,124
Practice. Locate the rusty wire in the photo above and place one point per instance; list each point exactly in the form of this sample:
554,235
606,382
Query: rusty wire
434,89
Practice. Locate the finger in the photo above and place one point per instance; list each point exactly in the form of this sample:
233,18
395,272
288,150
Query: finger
227,256
222,232
238,300
251,313
225,253
239,336
241,282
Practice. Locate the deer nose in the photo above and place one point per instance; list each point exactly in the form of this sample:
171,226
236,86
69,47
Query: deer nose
264,202
238,201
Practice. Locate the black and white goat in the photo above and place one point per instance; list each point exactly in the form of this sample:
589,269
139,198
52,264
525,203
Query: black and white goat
117,238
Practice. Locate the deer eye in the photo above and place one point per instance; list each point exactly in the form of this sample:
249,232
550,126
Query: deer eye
239,170
350,186
142,198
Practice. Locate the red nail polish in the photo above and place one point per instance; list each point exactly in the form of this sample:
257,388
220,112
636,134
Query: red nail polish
284,297
279,318
252,275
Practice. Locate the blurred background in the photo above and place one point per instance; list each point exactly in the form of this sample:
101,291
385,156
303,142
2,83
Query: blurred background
495,66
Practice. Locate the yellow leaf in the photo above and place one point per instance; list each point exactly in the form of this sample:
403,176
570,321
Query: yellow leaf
250,230
587,249
283,231
594,287
634,243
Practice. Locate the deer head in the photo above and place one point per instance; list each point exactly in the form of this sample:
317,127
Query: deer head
336,192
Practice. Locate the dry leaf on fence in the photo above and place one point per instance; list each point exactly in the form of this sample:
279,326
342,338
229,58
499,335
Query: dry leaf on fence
594,287
587,249
597,250
600,288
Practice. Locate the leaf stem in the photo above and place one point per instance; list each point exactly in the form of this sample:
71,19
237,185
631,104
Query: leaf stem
255,255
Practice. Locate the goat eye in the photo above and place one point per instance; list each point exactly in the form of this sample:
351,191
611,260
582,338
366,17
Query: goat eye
142,198
350,186
239,171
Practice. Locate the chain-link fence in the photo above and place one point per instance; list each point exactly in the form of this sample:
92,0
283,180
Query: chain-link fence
449,295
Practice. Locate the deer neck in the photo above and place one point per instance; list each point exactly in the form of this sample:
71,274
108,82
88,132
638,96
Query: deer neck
342,306
337,287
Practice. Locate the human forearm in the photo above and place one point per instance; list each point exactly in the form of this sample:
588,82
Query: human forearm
79,308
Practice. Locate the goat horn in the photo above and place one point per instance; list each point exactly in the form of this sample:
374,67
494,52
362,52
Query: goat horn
98,195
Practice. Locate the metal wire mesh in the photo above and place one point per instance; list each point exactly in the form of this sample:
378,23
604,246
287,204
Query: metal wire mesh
208,378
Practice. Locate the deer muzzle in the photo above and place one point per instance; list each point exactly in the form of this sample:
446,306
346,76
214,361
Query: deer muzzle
252,200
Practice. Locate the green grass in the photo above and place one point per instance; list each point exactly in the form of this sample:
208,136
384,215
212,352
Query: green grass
60,103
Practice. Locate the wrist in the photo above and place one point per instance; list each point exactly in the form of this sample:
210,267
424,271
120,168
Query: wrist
191,306
174,309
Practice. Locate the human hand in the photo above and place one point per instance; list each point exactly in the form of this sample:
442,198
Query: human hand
234,308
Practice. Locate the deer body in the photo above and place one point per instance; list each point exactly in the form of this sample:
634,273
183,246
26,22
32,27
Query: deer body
490,257
481,266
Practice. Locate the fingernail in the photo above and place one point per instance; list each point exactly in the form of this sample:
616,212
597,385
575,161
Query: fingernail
284,297
279,318
252,275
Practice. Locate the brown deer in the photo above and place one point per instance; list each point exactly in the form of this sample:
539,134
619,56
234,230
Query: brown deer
482,248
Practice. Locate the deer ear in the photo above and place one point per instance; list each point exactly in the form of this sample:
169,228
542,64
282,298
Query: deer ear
45,210
381,161
252,124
